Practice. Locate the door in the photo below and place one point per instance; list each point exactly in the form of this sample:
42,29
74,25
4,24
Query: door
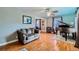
43,25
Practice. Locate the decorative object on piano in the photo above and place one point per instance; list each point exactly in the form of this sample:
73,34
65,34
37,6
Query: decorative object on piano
27,19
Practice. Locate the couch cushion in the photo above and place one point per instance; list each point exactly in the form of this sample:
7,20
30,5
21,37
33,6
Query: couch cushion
29,31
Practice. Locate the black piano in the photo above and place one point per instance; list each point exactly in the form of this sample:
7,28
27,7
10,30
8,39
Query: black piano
64,29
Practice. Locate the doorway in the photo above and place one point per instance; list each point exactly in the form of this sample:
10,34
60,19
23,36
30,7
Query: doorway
38,24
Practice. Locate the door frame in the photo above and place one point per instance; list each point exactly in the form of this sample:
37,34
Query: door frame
40,23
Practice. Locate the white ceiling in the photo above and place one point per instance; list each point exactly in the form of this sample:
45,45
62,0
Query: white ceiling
39,11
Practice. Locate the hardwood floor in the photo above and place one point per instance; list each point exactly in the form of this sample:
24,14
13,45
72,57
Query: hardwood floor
46,42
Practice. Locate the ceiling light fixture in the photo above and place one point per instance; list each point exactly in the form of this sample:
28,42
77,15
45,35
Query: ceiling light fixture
48,13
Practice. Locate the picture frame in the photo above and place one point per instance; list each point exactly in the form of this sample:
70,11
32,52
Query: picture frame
27,19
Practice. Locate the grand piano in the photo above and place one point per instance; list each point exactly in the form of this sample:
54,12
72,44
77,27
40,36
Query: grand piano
65,29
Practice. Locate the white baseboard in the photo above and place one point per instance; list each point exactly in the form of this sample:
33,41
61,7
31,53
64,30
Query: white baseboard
8,42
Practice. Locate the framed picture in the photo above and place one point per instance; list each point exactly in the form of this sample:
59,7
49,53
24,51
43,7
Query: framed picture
27,19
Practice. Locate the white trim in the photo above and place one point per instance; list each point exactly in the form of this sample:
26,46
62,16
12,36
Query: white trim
8,42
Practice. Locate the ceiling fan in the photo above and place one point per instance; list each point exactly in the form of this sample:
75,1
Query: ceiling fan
49,11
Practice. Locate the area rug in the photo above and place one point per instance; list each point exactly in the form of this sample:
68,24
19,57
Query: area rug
71,41
65,45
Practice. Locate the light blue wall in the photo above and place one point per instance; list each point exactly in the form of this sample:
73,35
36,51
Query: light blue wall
69,19
10,21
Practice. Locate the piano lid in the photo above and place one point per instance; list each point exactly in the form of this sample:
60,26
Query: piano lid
63,24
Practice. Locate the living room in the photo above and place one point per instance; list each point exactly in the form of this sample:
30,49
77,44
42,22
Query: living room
15,18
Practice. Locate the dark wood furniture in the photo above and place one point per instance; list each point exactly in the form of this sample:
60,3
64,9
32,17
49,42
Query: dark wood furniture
64,31
49,29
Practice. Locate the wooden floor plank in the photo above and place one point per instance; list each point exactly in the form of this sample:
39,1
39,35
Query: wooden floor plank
46,42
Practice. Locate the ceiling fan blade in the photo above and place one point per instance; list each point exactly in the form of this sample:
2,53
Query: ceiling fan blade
45,10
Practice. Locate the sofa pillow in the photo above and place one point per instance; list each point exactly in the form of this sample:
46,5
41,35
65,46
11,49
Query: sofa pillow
32,30
23,31
29,31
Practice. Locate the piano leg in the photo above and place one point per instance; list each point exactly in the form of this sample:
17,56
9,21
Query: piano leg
74,35
65,36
